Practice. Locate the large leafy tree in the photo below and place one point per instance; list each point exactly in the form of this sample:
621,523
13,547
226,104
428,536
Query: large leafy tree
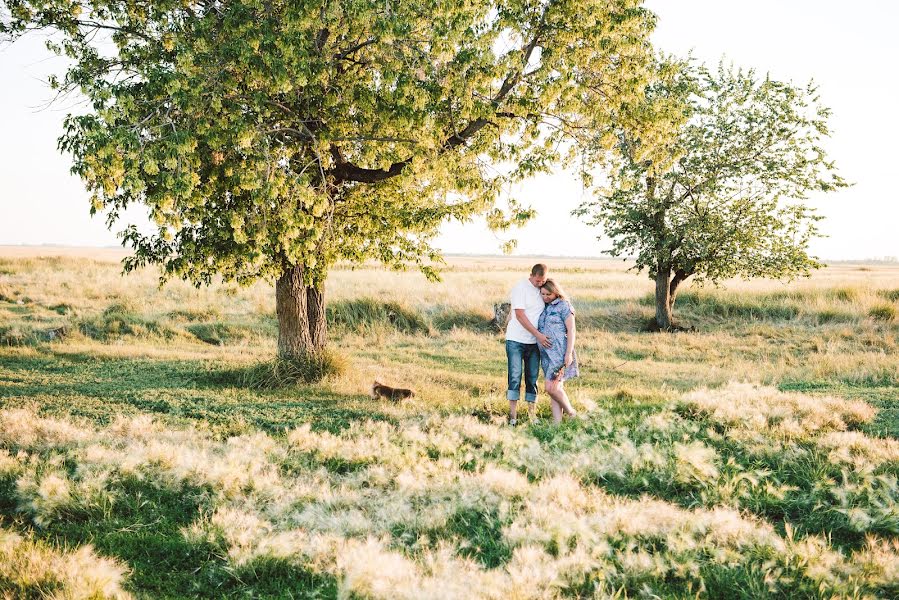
710,178
272,138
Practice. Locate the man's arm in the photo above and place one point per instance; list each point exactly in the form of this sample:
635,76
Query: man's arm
526,323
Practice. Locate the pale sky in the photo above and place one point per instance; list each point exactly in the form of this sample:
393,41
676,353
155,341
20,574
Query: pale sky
849,51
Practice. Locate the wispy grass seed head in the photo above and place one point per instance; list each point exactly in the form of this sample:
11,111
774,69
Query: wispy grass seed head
388,495
29,569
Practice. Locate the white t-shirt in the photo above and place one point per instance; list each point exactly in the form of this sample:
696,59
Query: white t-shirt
526,296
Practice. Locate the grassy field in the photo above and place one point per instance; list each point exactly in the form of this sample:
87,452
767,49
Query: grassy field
754,458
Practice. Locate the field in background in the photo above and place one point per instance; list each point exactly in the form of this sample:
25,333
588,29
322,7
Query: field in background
747,455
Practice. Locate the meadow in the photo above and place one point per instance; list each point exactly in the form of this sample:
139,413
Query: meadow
140,456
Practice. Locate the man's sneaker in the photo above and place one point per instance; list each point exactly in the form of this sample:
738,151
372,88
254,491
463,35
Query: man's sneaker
513,422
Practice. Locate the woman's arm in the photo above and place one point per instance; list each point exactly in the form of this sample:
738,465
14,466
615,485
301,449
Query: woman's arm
569,351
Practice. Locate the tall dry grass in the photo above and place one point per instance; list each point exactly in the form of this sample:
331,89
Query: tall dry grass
458,508
751,455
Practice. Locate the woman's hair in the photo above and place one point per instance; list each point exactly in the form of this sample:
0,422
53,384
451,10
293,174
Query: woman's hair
554,288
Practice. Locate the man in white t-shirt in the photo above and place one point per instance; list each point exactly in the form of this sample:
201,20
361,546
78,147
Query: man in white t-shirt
522,337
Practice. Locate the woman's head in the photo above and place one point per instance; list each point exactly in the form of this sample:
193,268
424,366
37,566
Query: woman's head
550,290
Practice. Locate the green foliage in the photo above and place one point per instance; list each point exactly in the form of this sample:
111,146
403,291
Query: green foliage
719,192
264,136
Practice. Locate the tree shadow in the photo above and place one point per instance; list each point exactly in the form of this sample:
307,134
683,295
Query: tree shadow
178,392
616,315
144,529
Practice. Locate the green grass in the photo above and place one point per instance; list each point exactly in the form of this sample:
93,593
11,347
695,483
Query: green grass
396,487
481,532
178,392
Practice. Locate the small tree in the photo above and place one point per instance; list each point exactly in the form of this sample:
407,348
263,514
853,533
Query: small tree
270,139
720,191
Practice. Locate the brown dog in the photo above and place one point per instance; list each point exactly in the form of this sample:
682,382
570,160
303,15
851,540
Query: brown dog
379,390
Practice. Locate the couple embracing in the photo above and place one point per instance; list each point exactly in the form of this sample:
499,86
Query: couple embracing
540,331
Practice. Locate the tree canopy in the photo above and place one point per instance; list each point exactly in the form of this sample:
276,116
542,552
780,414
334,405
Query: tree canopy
722,190
264,135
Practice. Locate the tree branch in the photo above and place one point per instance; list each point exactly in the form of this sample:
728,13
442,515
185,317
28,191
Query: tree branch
344,171
353,49
95,25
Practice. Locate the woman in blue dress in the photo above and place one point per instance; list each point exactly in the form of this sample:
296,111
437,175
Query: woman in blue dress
559,360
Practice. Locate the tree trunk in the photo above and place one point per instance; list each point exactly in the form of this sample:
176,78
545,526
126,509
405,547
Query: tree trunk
663,299
679,276
302,329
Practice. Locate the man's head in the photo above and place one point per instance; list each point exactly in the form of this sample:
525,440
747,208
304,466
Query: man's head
538,275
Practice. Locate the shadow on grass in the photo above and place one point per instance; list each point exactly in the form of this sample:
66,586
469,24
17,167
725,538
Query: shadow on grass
770,307
179,392
370,314
482,530
447,319
144,529
615,315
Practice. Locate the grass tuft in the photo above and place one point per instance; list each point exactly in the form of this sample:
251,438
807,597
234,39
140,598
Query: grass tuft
194,314
218,334
883,312
29,569
16,335
122,319
366,314
446,319
281,372
61,308
847,294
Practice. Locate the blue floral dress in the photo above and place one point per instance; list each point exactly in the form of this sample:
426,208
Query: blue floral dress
552,325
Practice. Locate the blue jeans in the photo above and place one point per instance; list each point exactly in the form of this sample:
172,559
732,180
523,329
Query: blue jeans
528,355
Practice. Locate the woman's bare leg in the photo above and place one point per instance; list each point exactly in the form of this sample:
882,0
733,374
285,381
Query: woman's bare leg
556,391
559,400
556,410
566,403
